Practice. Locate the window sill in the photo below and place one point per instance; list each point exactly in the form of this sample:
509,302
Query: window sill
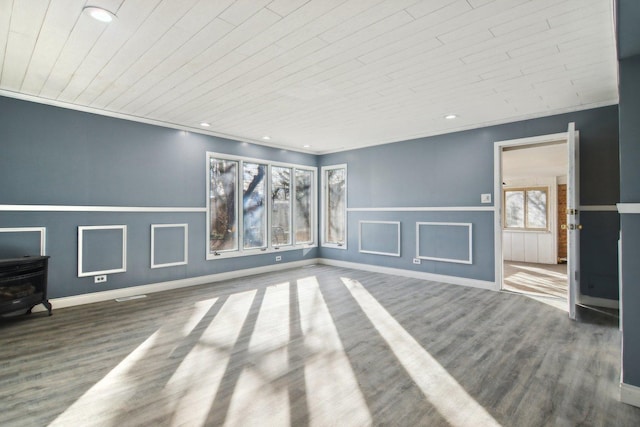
335,246
515,230
251,252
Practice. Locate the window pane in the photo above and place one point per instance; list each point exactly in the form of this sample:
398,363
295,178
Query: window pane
304,182
254,205
223,231
280,206
336,206
536,209
514,208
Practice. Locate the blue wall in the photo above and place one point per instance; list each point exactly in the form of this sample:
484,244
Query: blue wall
453,170
629,87
55,156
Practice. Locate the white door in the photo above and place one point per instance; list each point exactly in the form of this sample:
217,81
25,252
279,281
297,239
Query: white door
573,219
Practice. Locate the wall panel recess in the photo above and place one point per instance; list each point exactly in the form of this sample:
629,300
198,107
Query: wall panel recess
169,245
444,241
102,249
379,238
22,241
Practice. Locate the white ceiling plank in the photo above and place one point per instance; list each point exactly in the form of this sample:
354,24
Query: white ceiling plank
124,41
479,3
148,45
371,16
198,97
529,14
232,89
304,92
427,7
83,36
479,18
209,58
579,12
241,10
303,17
333,17
107,89
26,21
136,84
418,31
218,72
5,21
285,7
337,74
353,41
204,12
58,24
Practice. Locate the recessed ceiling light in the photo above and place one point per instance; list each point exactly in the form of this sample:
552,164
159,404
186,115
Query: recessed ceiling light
450,116
266,137
306,146
205,124
99,14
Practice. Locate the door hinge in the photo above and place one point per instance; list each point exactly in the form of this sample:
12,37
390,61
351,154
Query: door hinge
572,211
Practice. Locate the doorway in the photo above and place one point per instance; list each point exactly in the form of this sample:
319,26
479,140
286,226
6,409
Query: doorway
530,174
534,178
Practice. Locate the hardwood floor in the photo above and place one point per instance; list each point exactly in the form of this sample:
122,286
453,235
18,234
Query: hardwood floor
313,346
538,279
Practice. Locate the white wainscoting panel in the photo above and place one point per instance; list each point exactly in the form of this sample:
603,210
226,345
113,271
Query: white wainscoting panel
41,230
185,242
528,246
379,237
93,228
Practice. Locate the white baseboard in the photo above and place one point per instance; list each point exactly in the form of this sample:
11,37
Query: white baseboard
630,394
599,302
194,281
165,286
454,280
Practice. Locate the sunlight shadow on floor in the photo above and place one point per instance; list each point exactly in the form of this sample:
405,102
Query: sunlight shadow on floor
439,387
114,390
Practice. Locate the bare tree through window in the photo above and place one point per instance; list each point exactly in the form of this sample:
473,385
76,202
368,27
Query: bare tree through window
336,203
223,210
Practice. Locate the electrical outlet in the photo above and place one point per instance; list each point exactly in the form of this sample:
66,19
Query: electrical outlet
278,258
416,260
100,279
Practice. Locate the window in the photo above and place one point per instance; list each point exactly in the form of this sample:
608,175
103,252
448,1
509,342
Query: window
223,210
303,205
257,223
334,209
526,208
254,205
280,206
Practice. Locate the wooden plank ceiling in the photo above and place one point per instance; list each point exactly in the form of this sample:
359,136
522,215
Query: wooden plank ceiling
327,74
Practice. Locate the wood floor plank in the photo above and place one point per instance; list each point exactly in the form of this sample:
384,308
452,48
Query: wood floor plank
308,346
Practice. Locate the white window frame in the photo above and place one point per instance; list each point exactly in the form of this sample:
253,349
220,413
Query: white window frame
270,248
314,209
270,225
525,190
324,243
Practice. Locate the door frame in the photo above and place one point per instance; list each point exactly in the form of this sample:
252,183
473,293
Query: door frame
497,192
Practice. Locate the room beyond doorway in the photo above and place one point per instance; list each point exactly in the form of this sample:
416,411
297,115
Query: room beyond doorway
533,233
549,280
